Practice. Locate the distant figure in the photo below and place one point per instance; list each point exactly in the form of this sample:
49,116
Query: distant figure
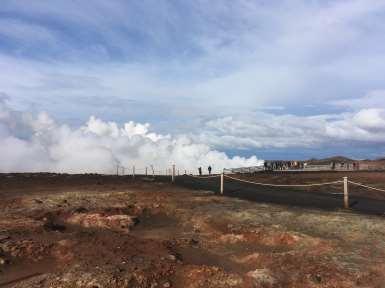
209,168
200,170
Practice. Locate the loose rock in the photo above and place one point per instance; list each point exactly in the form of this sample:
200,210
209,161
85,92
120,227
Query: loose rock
261,277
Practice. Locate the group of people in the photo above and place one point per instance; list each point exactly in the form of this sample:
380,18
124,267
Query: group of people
283,165
208,168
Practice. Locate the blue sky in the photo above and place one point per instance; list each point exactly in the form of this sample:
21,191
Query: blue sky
275,79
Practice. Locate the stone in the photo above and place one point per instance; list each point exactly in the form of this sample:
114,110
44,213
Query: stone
3,261
120,223
171,257
261,277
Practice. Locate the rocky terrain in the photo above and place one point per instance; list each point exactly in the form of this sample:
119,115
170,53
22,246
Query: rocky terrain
110,231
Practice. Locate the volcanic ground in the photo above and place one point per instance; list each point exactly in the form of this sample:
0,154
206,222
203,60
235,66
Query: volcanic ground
59,230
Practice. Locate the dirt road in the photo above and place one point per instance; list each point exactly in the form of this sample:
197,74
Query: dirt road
109,231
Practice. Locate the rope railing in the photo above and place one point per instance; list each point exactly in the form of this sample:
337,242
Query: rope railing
345,185
366,186
285,185
344,182
149,171
173,173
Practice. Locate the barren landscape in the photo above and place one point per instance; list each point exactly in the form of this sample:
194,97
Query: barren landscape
109,231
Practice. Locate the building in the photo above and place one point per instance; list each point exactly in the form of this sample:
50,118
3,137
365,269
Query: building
372,165
338,163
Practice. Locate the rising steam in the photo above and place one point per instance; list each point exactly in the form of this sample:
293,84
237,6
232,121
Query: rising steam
34,143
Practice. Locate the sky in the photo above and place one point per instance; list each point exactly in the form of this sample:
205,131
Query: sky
222,83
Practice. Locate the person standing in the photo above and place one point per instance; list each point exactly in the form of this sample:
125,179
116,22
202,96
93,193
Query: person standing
200,171
209,168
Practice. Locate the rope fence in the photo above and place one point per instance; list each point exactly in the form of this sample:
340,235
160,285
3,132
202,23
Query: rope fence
284,185
344,183
173,173
366,186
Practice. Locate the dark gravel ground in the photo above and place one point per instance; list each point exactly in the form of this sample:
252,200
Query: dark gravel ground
328,197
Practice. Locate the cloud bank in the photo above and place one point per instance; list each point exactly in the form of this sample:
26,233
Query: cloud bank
38,143
266,130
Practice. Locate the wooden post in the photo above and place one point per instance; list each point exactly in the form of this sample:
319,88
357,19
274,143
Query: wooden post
222,178
346,193
133,172
117,170
173,173
146,170
185,172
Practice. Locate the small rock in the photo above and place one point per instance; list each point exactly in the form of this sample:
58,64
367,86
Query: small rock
3,261
171,257
261,277
167,284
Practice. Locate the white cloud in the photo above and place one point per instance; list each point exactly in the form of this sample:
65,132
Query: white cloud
265,130
98,146
370,119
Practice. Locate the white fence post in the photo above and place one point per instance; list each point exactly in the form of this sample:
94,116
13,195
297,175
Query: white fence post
346,193
133,171
173,173
222,183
